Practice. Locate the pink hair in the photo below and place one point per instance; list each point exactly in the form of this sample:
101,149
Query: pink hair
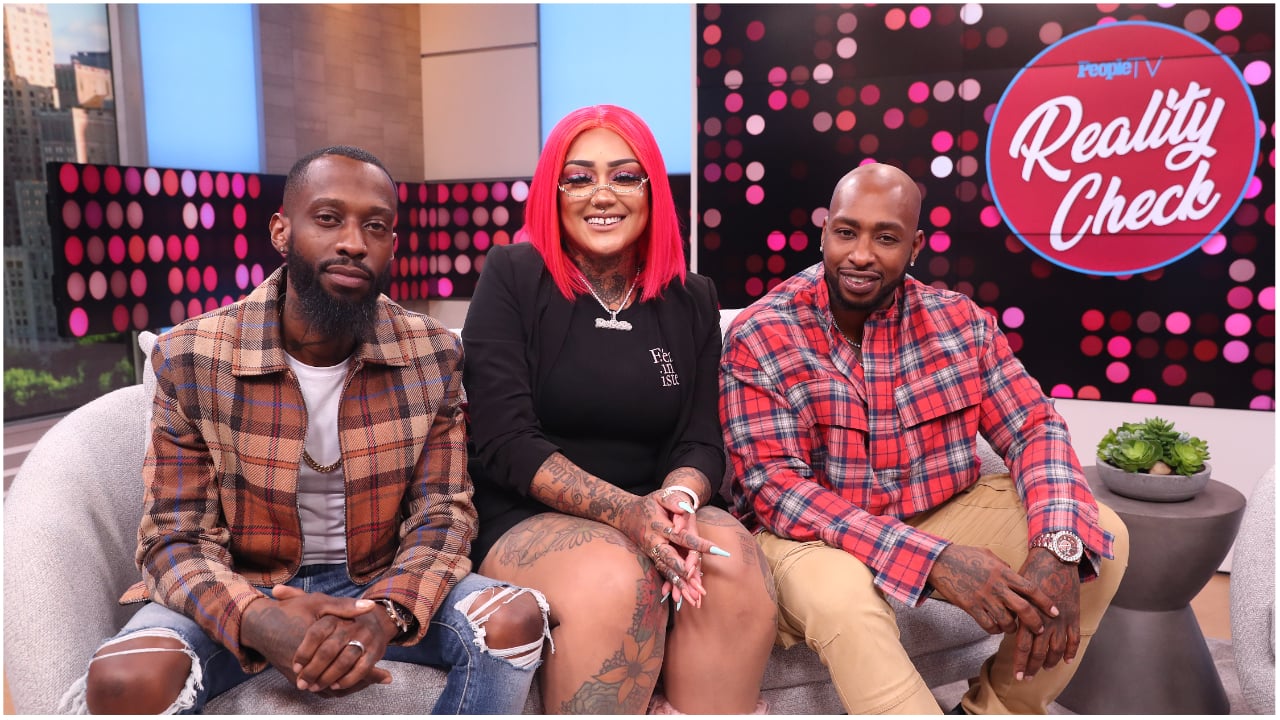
661,247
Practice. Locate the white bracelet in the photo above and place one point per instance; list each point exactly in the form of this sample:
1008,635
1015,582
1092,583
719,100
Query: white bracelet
680,488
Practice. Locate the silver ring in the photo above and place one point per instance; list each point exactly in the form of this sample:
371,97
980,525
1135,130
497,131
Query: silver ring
358,644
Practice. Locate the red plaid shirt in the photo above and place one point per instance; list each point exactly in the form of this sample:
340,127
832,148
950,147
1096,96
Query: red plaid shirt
220,480
824,448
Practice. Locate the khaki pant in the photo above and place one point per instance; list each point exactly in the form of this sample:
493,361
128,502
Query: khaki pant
826,600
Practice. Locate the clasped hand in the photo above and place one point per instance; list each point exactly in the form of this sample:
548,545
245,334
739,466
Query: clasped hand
308,638
1040,603
669,536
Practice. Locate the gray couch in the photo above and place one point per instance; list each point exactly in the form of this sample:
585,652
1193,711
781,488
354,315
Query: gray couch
1253,598
70,524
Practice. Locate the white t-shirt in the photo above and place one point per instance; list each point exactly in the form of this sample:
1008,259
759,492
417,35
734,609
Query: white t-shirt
322,497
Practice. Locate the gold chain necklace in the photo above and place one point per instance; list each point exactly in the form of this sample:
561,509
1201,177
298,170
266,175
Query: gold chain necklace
322,469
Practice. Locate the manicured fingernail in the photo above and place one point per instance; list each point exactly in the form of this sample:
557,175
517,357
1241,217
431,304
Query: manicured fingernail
1019,676
302,685
362,604
1054,611
679,603
664,598
685,507
717,551
297,668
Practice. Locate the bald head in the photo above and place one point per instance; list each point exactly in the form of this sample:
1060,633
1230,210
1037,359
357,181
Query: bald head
880,179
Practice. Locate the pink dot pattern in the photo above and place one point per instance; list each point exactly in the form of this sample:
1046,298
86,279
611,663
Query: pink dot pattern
915,87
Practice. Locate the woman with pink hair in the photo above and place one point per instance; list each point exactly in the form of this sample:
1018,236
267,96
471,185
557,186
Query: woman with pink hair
597,454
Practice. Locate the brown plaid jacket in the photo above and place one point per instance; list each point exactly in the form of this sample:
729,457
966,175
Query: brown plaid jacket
220,511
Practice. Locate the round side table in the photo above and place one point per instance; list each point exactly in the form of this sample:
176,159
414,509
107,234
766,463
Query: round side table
1149,656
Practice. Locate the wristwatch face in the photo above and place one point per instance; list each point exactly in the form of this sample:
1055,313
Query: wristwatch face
1066,546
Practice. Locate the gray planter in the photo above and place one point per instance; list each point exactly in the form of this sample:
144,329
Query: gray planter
1154,488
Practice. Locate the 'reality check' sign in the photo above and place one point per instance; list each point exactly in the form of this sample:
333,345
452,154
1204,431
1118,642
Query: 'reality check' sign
1122,148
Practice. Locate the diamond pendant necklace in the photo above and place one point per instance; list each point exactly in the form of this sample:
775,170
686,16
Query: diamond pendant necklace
613,323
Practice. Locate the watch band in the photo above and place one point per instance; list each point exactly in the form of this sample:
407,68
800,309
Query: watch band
398,616
1064,544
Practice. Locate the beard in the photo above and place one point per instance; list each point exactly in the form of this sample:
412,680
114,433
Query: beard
877,301
331,315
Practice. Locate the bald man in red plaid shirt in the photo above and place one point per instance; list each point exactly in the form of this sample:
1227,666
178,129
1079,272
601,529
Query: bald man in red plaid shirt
852,396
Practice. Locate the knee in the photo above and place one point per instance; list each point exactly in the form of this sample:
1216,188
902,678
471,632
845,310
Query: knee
747,585
510,623
150,683
519,622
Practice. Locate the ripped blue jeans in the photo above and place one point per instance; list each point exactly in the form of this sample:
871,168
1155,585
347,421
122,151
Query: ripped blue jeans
479,681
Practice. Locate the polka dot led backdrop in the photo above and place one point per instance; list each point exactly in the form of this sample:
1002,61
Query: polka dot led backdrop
791,97
148,247
143,248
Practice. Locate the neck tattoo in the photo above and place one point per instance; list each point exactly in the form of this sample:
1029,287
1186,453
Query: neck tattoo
613,323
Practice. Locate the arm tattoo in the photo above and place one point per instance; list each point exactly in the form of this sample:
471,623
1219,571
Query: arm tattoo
568,488
692,479
959,580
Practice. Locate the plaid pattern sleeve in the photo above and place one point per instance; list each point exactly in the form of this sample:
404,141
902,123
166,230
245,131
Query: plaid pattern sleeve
439,517
1023,426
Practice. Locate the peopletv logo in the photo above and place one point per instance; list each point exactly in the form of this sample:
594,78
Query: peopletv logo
1122,148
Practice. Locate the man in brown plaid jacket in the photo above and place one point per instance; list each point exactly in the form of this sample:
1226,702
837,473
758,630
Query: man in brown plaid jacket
307,505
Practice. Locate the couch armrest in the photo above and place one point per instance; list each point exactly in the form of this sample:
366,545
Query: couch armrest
70,529
1253,598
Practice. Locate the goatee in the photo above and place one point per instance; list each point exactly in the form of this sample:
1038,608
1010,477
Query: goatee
879,300
329,315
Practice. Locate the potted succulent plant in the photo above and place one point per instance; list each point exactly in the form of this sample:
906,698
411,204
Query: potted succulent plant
1152,460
